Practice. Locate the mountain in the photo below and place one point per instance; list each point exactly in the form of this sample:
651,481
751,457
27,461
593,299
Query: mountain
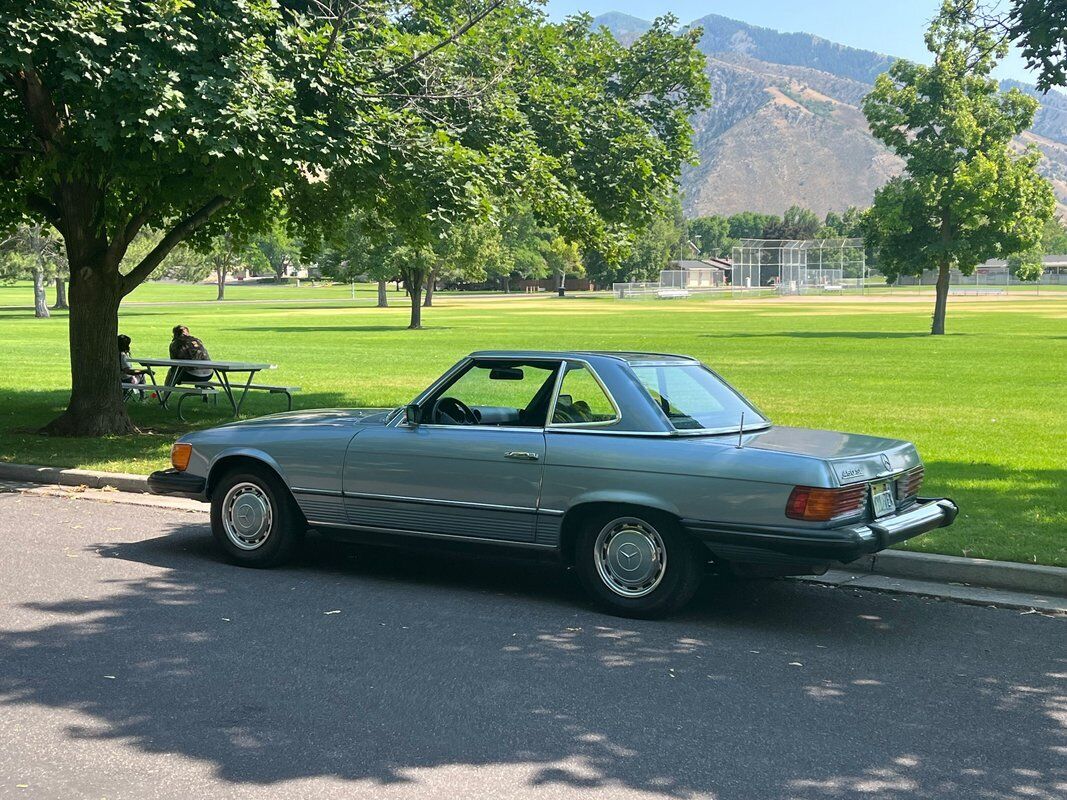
785,126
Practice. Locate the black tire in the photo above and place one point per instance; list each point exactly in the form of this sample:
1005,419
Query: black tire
257,490
662,591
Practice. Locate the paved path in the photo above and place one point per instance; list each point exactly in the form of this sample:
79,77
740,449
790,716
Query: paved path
134,664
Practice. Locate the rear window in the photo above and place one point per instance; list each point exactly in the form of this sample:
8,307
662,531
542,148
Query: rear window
693,398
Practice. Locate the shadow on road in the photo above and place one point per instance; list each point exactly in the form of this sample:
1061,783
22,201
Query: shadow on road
377,665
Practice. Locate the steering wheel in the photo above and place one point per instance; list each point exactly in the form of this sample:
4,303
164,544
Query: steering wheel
456,411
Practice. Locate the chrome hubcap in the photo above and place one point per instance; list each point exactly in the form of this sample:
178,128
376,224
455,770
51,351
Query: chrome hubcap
246,516
630,557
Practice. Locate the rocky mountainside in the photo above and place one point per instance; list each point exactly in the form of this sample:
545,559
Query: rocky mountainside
785,126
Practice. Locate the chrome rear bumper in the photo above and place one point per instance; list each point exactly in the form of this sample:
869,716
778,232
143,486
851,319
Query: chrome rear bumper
829,544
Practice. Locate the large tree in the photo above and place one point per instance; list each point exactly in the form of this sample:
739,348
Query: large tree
965,195
193,118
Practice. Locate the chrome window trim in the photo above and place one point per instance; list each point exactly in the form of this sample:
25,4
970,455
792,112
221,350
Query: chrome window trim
549,424
435,502
555,392
511,428
671,434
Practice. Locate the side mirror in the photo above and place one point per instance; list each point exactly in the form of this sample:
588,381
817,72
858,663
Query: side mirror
411,416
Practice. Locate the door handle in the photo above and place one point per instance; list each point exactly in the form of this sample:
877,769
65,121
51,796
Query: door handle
521,455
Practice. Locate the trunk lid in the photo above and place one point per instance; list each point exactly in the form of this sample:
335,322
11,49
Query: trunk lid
852,457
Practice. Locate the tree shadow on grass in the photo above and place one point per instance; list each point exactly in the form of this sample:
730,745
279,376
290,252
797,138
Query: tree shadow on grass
438,666
24,412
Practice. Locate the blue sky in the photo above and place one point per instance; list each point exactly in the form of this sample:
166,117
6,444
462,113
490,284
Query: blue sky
894,27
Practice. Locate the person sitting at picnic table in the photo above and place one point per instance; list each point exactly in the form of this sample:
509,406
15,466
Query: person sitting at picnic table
186,347
126,371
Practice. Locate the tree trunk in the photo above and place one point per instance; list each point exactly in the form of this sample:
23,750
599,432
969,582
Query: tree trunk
414,286
40,299
383,296
429,290
95,407
61,295
561,286
507,284
220,278
941,301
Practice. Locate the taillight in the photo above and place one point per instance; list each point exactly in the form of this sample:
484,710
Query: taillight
813,504
179,456
909,483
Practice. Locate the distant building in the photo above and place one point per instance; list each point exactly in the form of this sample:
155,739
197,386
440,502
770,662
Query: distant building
693,273
993,272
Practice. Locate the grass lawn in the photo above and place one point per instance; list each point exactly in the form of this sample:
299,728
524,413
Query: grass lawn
985,404
20,294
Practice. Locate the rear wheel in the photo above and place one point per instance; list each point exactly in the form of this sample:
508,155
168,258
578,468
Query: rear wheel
254,518
638,564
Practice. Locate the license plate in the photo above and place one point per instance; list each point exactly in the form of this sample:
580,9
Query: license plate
883,498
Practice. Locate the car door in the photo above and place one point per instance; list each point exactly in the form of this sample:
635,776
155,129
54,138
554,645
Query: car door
449,479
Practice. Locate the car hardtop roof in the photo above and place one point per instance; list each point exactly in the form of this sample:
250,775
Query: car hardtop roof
627,356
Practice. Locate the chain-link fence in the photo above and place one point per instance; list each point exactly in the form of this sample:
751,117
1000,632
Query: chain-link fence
795,266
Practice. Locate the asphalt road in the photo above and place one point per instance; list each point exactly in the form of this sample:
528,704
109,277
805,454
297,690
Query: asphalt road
134,664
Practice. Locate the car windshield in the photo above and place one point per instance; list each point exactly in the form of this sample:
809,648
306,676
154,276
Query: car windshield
694,398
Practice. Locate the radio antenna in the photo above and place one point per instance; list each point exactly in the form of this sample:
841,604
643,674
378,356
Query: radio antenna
741,430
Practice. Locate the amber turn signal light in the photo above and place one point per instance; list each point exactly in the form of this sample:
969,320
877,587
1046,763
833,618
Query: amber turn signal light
813,504
179,456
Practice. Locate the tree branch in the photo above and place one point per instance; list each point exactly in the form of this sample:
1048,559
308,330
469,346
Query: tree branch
38,103
178,233
456,34
45,208
124,236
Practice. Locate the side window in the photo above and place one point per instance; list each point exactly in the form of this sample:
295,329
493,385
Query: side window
582,400
497,394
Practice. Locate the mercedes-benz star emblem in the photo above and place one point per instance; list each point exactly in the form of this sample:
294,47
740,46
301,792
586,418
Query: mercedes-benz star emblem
629,556
886,462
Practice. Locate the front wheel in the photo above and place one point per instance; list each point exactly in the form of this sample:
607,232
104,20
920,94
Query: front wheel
638,565
254,518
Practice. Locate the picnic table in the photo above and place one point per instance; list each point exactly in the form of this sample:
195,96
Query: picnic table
221,370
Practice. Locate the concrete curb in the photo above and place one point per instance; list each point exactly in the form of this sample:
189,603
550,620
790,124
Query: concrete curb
61,476
926,567
935,568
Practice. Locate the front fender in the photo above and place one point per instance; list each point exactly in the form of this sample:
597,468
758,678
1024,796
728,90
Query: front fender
218,462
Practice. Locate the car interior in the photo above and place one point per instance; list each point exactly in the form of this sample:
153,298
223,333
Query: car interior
518,394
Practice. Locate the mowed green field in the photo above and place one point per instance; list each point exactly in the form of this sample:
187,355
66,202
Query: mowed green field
20,294
985,404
